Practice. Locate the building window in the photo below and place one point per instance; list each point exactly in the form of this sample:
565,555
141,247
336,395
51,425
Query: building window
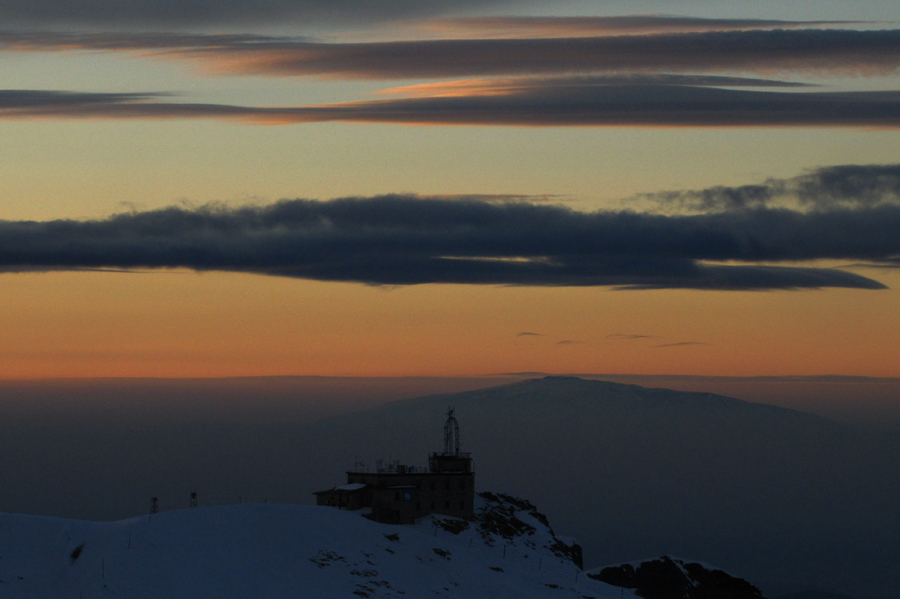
432,485
418,506
432,505
447,504
447,485
462,505
462,485
397,496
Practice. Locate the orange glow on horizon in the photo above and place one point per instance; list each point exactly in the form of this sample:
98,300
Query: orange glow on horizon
183,324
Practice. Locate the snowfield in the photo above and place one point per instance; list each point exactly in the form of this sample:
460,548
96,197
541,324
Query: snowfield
273,551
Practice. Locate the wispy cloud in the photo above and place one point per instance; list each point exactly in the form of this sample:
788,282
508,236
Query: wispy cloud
528,334
46,104
827,188
820,51
60,41
619,337
462,88
588,26
581,101
401,240
221,12
496,197
682,344
585,101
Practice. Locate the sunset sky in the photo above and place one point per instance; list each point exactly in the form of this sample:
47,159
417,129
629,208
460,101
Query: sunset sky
198,188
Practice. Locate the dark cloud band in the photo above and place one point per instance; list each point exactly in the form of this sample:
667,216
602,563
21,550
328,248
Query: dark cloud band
586,25
401,240
815,50
57,41
843,186
848,51
216,12
557,102
582,102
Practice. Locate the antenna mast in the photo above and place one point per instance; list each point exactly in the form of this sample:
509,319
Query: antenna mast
451,435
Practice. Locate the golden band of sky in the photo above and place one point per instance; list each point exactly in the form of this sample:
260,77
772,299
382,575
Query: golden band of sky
183,324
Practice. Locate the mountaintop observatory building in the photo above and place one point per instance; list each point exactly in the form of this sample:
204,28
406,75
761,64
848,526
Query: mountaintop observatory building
399,494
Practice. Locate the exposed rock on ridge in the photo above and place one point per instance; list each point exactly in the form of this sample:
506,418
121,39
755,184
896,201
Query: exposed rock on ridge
671,578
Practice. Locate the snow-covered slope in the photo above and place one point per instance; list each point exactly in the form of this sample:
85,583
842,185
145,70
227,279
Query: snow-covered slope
273,551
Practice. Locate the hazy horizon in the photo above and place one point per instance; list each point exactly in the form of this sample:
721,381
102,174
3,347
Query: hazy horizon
869,402
633,472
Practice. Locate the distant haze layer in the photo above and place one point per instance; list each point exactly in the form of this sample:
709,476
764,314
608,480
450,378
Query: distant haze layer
789,500
860,401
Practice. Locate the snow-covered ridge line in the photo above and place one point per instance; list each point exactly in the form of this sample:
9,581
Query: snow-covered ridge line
273,551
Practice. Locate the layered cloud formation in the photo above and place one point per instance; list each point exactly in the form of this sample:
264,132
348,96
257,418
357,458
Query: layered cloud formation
843,51
218,12
508,71
519,102
829,188
527,26
404,240
760,51
596,71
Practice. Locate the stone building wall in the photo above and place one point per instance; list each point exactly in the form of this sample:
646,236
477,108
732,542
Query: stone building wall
345,500
402,498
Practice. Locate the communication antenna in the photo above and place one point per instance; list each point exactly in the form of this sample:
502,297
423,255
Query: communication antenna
154,505
451,434
193,499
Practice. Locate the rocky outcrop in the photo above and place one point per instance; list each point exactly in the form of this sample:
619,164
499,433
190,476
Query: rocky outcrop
670,578
509,517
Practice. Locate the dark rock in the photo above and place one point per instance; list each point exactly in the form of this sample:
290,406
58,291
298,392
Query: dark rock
668,578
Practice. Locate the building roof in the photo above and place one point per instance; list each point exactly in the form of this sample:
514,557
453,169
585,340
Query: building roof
351,487
345,488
